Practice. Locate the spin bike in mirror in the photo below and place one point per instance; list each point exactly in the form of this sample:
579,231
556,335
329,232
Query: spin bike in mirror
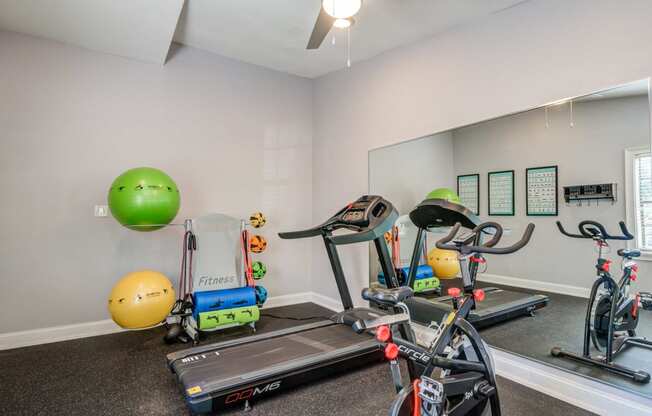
612,314
453,372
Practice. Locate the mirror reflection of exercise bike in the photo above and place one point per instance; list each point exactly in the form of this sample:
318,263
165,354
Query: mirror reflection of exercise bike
454,374
613,312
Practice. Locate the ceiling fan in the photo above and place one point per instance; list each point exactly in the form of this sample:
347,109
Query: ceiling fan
333,13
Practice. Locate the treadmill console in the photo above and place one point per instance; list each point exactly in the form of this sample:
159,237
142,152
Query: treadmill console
369,217
360,212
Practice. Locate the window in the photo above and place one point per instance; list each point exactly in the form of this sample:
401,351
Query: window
638,163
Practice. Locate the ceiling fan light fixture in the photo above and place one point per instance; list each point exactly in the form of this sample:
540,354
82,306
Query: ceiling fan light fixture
342,9
342,23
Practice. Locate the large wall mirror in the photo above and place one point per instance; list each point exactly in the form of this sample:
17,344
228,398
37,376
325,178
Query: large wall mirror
585,158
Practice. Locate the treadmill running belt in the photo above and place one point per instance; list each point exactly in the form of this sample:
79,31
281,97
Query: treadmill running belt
228,363
225,374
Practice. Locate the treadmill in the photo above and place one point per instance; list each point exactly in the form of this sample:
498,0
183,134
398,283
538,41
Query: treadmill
241,371
499,305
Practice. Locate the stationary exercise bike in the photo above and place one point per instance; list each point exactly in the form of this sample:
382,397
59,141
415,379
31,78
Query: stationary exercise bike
453,374
612,314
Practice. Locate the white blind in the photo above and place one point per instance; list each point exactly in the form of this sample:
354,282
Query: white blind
643,181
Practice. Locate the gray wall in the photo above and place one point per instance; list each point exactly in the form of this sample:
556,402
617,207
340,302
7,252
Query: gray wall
593,151
235,137
538,52
405,173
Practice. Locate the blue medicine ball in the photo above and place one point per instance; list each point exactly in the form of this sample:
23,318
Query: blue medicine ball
261,295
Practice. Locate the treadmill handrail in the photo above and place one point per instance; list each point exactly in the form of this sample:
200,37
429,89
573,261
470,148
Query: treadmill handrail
359,234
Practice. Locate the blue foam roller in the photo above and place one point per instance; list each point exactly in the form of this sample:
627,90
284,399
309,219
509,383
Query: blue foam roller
215,300
423,272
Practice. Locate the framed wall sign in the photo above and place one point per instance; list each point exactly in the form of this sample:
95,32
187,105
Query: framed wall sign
541,191
501,192
468,189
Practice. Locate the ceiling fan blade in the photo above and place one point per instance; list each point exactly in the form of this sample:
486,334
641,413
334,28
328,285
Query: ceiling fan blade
322,27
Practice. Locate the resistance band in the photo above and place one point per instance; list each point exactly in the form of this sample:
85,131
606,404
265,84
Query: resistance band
246,255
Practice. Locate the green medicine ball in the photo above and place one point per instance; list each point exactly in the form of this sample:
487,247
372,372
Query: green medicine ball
144,199
444,193
259,269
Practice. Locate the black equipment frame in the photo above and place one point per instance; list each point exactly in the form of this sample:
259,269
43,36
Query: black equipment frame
241,371
614,344
432,213
475,381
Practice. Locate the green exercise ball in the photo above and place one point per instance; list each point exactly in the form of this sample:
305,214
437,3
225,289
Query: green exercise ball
444,193
144,199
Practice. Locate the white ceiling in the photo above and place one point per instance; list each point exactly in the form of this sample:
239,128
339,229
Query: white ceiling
274,33
140,29
270,33
632,89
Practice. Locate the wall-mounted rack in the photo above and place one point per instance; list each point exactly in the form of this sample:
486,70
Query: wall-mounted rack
588,193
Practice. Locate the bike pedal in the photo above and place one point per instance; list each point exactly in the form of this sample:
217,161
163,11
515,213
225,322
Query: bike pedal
485,389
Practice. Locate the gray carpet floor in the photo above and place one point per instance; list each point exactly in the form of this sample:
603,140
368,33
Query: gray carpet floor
126,374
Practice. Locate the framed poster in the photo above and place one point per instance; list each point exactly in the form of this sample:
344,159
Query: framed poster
541,191
501,192
468,189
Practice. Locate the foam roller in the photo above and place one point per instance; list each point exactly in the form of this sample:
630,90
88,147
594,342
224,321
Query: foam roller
215,319
423,272
215,300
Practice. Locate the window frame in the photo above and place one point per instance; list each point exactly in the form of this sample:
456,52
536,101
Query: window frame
631,198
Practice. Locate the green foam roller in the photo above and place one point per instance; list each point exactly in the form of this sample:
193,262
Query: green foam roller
422,285
240,316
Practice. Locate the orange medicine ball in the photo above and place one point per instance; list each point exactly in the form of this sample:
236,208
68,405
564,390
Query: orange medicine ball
257,244
141,299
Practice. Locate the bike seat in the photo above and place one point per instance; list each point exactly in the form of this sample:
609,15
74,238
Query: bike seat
388,297
629,253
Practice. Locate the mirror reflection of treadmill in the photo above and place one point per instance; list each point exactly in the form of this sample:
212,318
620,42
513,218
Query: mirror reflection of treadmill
232,373
499,304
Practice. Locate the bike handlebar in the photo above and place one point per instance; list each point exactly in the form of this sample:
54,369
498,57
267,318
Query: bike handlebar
593,229
498,233
485,248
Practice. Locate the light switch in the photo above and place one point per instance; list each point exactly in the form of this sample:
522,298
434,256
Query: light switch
101,210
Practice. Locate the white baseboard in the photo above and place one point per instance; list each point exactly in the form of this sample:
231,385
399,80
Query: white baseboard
569,290
579,391
285,300
326,302
90,329
57,333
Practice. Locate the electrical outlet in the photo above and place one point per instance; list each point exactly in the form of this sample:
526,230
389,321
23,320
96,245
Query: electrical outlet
101,210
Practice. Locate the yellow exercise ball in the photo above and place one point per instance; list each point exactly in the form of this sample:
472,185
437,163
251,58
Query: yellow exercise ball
141,299
444,263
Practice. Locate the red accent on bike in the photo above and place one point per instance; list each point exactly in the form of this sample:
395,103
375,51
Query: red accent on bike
480,260
605,266
416,408
633,277
635,267
454,292
383,333
637,301
479,295
391,351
